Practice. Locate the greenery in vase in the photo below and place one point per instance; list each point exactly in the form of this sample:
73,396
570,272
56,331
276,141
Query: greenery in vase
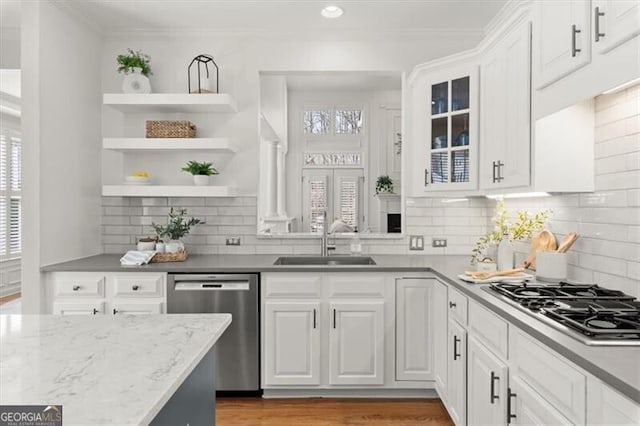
522,229
134,59
177,226
196,168
384,184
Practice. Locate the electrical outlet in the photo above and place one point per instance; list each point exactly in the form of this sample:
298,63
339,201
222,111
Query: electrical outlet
438,242
416,242
233,241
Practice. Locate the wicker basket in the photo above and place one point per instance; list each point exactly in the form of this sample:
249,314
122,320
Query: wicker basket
180,256
170,129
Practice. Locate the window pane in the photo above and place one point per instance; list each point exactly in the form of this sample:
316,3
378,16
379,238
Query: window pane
460,130
332,159
460,94
439,98
460,166
317,122
439,167
15,226
16,165
439,133
348,121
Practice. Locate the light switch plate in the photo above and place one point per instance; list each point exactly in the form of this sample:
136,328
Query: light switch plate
438,242
416,242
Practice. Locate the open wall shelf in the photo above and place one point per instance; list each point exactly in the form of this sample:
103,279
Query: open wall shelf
171,102
167,191
124,145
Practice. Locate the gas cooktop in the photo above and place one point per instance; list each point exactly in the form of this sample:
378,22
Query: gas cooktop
592,314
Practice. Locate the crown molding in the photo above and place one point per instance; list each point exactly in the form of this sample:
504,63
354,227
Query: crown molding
403,34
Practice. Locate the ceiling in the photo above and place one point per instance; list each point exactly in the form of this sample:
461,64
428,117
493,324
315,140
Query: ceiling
287,15
338,80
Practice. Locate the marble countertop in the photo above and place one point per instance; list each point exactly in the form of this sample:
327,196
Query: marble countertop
616,366
102,369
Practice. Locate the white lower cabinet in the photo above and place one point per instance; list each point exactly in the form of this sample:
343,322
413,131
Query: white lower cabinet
486,386
292,343
111,293
329,331
605,406
526,407
457,373
415,326
356,343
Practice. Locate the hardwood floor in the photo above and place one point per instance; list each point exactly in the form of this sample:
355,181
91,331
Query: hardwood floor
323,411
9,298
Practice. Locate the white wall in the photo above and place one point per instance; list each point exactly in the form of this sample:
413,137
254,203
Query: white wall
61,132
10,47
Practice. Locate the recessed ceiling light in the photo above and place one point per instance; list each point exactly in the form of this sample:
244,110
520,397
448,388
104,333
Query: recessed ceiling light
332,12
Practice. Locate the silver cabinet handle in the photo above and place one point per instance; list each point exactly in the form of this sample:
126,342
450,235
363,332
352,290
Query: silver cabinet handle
426,177
494,377
574,32
76,287
135,287
596,21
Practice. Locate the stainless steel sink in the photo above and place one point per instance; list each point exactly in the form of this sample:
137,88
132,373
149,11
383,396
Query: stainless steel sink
324,260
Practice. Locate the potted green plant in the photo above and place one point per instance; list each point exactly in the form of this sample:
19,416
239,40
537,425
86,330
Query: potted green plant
176,228
135,66
200,171
384,184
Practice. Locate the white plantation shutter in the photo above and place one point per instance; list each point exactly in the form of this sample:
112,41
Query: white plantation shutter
10,197
315,198
348,200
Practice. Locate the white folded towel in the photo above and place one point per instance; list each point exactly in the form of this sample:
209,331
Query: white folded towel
136,258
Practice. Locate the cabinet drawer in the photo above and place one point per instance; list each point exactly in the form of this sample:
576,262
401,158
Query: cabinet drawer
457,306
492,330
292,286
556,380
88,308
138,285
79,285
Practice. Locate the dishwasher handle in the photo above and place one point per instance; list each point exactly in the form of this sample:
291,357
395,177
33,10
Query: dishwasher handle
212,286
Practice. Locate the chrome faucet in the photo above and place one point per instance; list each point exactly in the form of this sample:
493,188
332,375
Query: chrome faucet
324,239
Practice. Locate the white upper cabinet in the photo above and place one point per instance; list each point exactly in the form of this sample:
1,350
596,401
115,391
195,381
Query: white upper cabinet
562,38
443,126
505,134
614,22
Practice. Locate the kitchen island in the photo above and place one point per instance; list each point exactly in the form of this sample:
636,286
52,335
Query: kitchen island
111,370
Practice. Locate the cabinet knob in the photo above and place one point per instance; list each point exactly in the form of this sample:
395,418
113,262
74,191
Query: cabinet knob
135,287
452,305
76,287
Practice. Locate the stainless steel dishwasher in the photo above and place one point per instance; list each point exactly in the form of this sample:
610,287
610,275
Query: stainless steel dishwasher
238,350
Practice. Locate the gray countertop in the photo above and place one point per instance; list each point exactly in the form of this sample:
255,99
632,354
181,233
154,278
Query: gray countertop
619,367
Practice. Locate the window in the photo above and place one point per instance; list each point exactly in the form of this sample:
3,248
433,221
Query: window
10,195
346,121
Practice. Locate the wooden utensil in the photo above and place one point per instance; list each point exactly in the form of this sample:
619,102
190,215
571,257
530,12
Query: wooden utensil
544,241
568,241
483,275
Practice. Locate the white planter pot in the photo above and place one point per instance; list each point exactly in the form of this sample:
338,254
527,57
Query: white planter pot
201,180
173,246
135,82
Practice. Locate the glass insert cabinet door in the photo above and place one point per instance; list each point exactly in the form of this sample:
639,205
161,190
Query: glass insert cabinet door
451,133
